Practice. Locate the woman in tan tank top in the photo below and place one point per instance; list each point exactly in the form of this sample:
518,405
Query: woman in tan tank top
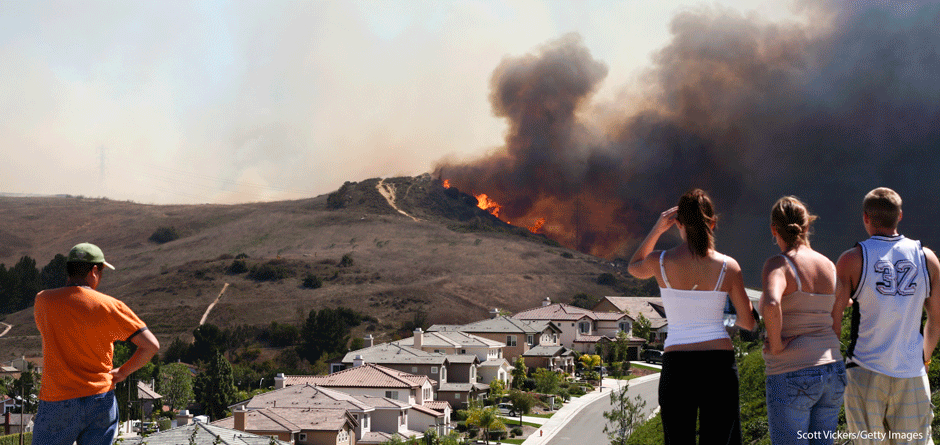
805,373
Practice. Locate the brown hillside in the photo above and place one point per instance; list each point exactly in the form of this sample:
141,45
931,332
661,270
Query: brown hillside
454,263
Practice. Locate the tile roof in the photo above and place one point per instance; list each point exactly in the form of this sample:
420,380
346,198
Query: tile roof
292,420
145,392
463,387
557,311
368,375
463,358
307,396
378,437
392,353
494,363
437,405
427,410
500,325
383,402
650,307
205,435
547,351
452,339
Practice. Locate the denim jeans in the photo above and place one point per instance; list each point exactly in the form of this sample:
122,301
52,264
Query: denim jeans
91,420
803,405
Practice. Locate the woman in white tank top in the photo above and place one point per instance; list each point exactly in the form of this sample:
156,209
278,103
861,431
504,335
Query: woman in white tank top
805,373
699,380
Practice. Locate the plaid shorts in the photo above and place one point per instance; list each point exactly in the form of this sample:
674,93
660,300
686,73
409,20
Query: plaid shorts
887,410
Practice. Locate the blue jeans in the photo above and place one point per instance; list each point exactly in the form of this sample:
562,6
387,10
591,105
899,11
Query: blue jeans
803,405
91,420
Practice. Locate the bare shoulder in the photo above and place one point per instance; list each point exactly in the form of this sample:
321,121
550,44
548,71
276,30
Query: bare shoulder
850,258
732,263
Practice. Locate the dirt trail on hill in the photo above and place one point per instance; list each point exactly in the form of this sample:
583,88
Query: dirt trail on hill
9,326
209,309
388,191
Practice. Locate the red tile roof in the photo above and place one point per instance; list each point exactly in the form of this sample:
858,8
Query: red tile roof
368,375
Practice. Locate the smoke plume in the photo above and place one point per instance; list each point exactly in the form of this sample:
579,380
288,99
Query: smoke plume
749,111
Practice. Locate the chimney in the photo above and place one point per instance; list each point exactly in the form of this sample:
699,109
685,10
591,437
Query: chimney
184,418
370,342
419,338
358,361
494,313
239,414
546,302
279,380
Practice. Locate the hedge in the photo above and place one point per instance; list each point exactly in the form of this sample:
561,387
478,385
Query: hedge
14,439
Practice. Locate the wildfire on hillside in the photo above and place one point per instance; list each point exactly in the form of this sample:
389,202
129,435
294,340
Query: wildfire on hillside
490,205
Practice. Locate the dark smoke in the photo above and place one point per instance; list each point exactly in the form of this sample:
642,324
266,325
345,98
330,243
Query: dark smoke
748,111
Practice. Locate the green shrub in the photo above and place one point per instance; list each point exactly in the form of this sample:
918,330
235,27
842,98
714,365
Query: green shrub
567,255
648,433
241,256
346,261
312,281
268,272
237,267
606,279
164,235
14,439
517,431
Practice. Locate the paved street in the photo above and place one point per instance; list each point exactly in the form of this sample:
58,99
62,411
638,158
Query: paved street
581,421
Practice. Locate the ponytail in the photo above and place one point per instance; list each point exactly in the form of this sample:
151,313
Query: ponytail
792,220
697,214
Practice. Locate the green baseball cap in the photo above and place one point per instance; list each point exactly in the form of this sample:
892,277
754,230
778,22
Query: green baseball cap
87,253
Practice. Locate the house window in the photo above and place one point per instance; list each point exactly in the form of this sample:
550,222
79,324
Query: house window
434,370
391,394
510,340
584,327
303,437
625,326
530,339
336,367
463,351
414,369
456,396
365,420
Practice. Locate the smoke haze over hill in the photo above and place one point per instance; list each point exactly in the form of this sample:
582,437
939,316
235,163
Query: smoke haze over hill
747,110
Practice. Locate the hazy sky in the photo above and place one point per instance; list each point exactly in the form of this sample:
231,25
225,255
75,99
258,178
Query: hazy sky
223,102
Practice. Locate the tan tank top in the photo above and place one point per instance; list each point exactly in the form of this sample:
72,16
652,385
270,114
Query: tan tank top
808,317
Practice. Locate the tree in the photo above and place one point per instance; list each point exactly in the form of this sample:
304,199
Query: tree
326,331
53,275
215,387
590,361
546,381
642,328
625,417
485,418
176,385
522,402
518,372
584,300
497,389
208,339
621,347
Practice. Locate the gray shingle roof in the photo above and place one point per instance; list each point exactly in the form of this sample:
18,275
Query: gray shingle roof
395,354
205,435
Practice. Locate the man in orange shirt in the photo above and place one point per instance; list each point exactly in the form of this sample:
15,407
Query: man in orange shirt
79,326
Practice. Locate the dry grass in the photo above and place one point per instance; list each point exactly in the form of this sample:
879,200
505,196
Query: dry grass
455,264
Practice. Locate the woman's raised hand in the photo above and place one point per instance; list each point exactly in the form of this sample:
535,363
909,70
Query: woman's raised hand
666,220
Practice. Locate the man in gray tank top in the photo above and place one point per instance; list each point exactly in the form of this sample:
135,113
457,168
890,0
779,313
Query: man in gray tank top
890,280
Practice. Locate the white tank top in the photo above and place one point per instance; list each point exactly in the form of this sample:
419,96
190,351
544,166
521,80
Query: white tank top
694,315
890,298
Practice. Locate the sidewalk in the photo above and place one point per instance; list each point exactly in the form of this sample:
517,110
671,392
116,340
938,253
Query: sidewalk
552,426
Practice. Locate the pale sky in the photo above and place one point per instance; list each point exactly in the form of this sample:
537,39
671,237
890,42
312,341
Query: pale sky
226,102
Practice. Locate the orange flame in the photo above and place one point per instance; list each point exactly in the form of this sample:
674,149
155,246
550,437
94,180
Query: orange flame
537,227
484,202
446,183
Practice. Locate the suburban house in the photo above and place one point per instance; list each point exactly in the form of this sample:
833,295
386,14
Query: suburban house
204,434
372,414
301,426
650,307
403,358
582,329
519,335
148,398
369,379
15,423
455,342
555,358
455,375
7,404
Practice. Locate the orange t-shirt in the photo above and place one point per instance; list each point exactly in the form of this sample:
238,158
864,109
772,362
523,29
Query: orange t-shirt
79,326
